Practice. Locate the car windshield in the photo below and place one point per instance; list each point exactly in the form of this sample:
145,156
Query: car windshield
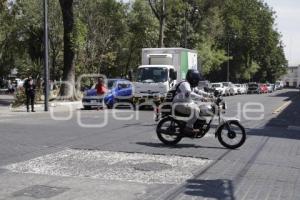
110,84
152,74
226,84
216,85
123,85
238,85
253,85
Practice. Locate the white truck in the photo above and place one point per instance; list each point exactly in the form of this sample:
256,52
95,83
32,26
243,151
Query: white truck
161,69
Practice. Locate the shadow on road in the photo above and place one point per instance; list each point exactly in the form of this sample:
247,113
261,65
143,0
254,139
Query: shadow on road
219,189
286,124
288,94
178,146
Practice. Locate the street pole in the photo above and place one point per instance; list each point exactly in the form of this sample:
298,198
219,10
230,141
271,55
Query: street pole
46,67
228,62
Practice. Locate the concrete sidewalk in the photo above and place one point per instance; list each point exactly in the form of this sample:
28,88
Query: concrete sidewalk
40,106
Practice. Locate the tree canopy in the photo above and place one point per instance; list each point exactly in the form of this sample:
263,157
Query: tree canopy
107,36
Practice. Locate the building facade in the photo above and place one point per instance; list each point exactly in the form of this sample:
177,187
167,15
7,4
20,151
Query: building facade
292,78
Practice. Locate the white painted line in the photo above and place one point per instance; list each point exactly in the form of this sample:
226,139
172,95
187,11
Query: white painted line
113,166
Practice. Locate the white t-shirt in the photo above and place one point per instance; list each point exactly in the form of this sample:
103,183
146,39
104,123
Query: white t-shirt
186,95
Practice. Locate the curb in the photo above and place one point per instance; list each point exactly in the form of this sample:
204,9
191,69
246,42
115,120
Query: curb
51,104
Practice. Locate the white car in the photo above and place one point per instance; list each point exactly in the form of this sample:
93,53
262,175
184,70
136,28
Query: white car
245,88
18,83
219,87
235,89
241,88
230,89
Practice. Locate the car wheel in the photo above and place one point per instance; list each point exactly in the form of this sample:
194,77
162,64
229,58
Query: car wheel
109,106
87,107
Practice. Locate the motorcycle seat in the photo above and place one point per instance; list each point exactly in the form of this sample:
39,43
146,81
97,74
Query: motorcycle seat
179,114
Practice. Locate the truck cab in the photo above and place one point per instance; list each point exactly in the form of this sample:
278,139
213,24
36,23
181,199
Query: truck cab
154,81
161,69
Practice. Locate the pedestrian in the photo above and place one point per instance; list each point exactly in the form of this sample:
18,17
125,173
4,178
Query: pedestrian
30,93
101,91
10,87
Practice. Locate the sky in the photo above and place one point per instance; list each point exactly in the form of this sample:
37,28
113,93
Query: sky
288,24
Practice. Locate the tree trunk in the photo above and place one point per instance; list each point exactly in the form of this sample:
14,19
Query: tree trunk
161,33
161,14
69,49
162,22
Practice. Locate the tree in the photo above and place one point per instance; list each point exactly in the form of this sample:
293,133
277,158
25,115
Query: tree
142,33
55,39
105,21
69,47
159,9
254,43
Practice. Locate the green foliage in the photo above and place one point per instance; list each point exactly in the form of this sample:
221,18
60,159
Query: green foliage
211,58
109,36
20,97
254,43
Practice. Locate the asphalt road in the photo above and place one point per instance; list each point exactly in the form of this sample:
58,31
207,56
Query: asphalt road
116,155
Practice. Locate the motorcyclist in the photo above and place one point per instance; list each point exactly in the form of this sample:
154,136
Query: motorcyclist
183,101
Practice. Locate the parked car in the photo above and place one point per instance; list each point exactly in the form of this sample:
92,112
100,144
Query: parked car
270,88
219,87
119,90
230,88
241,88
263,88
245,88
253,88
279,85
18,83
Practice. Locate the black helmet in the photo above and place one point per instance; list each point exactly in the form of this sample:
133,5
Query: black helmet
193,77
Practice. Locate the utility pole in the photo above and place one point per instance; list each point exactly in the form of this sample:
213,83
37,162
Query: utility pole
46,67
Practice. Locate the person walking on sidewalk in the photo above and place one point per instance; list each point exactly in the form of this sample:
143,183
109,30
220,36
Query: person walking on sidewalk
30,93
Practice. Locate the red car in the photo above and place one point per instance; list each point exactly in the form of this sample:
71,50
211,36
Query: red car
263,88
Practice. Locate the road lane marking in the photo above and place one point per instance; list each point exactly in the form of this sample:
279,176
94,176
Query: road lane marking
282,107
120,166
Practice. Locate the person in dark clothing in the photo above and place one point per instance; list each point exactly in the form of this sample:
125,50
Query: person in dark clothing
30,93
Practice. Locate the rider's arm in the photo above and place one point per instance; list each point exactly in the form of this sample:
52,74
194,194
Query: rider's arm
186,93
196,96
201,92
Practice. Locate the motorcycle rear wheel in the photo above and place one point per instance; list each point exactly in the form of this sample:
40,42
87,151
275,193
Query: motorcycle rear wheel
169,126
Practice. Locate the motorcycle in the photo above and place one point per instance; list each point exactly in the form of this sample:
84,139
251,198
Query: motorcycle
230,133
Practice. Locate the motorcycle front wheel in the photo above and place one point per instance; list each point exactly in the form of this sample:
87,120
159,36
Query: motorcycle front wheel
168,131
233,138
